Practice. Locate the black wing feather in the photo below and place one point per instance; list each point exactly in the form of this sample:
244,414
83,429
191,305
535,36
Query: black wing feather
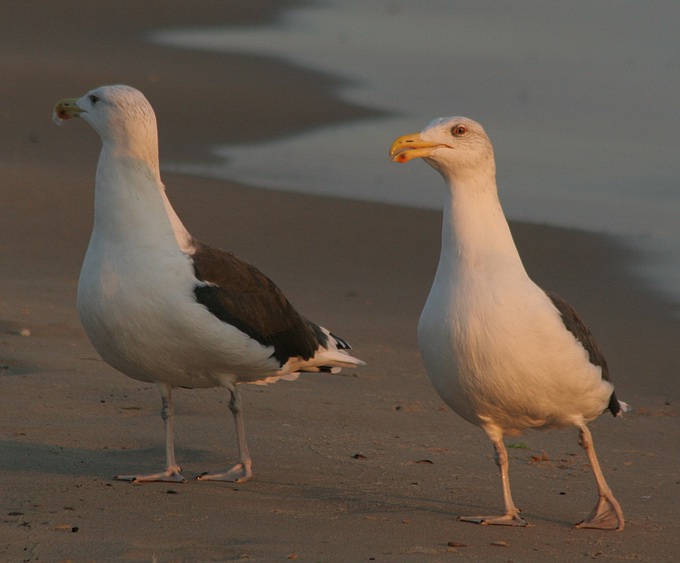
241,295
577,327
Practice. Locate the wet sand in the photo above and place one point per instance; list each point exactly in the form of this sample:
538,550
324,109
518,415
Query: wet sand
367,464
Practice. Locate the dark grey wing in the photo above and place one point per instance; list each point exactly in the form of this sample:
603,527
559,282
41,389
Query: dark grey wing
576,326
240,295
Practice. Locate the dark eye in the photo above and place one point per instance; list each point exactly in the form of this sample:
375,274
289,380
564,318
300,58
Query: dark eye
93,99
458,130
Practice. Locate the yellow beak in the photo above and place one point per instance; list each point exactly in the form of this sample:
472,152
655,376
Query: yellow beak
409,147
67,109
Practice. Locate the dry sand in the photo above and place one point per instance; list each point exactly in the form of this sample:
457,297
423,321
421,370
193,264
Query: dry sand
367,465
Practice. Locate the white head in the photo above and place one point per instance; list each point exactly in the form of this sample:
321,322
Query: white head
121,115
126,124
455,146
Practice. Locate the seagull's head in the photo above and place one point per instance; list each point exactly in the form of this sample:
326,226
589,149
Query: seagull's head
120,114
452,145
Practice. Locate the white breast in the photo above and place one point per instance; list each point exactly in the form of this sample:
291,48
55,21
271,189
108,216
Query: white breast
499,352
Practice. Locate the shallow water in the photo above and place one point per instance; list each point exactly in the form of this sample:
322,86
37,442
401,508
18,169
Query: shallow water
579,99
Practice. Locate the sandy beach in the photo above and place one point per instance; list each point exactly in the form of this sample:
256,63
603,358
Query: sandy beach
365,465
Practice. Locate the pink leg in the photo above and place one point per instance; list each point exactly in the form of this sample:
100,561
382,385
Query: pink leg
511,515
242,471
172,473
607,514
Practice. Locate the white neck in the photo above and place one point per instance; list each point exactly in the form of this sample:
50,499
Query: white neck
130,202
475,234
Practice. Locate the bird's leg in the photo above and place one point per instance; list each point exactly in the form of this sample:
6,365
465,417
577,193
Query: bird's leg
607,514
511,515
172,473
242,471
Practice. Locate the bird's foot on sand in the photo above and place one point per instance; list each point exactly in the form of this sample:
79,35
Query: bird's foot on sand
510,519
240,473
606,515
170,475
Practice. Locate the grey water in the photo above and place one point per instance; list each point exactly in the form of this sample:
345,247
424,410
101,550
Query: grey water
580,100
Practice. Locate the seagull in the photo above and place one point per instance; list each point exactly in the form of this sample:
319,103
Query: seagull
164,308
501,352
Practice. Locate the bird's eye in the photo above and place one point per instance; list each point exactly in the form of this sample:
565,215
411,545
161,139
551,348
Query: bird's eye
458,130
93,99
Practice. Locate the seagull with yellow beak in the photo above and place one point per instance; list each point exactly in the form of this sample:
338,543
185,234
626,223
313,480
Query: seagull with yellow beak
501,352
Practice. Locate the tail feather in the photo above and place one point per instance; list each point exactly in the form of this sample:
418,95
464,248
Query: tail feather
340,344
616,407
330,357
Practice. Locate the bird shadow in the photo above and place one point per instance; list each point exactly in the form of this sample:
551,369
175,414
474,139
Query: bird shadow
27,457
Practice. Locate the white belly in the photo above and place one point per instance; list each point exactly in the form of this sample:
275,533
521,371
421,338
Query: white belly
149,326
506,360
